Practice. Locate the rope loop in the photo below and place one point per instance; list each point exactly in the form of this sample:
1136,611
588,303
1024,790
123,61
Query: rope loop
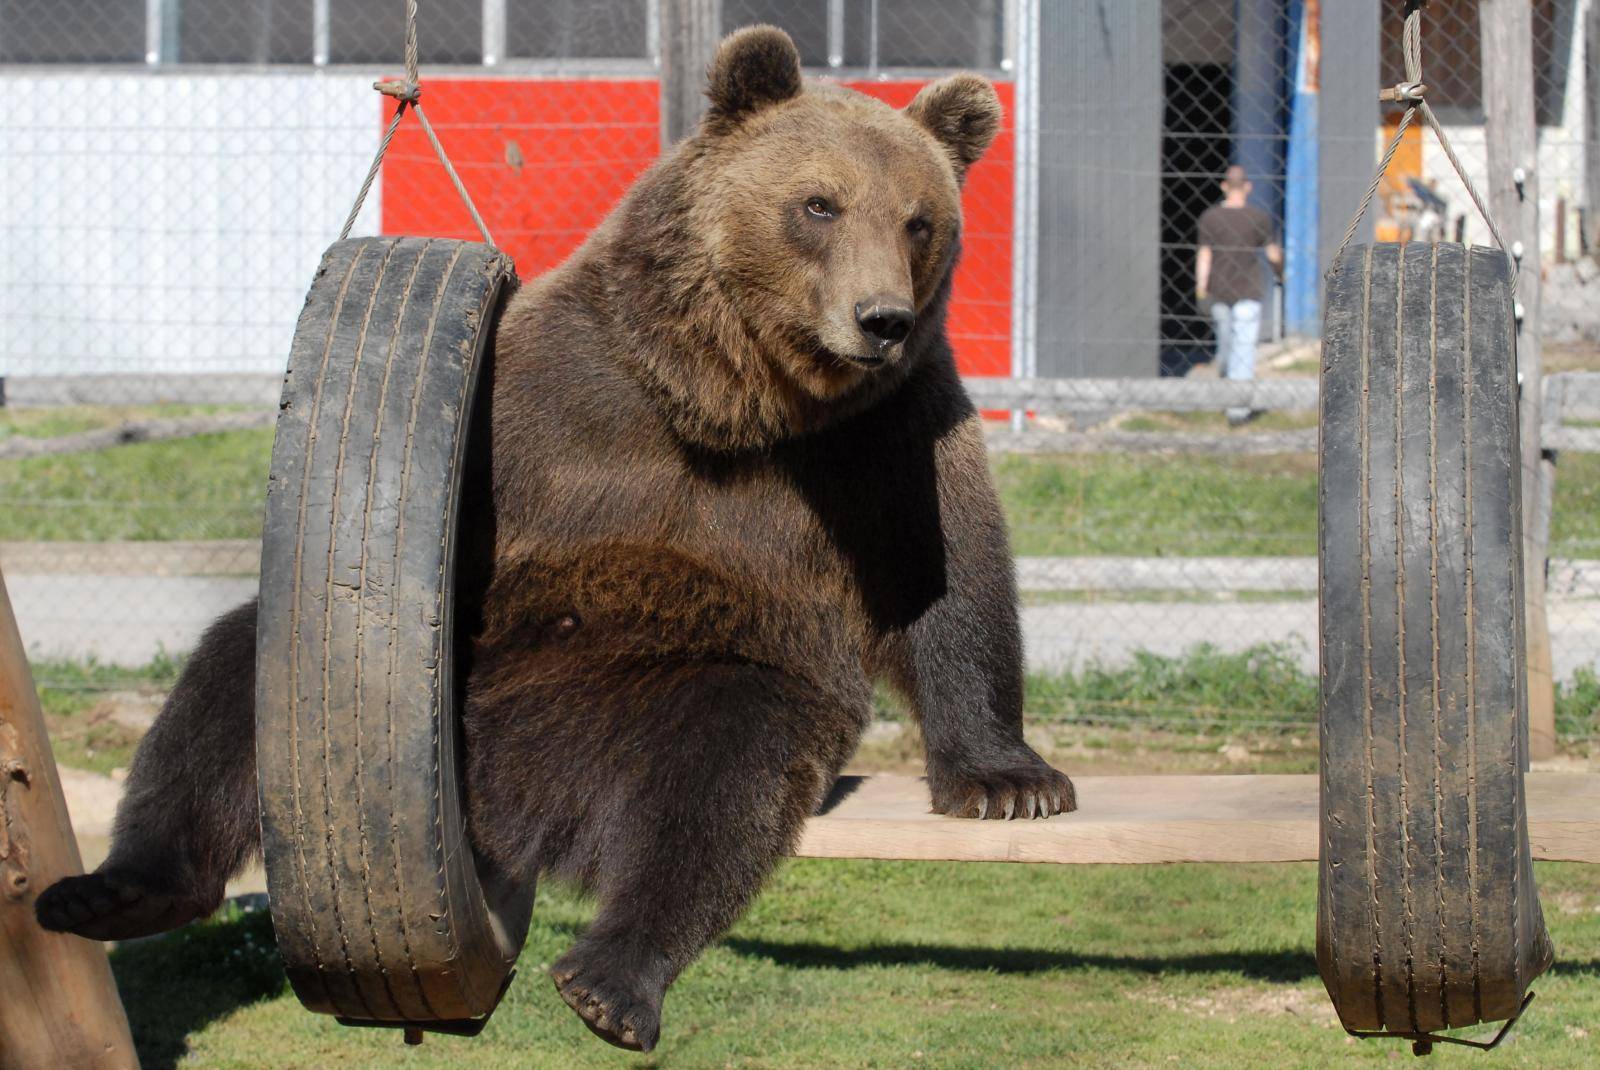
1413,93
408,92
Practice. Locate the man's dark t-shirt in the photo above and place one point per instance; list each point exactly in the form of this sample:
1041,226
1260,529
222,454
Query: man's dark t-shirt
1236,236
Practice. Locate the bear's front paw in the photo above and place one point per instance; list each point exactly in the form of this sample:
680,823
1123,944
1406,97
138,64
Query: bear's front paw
1028,787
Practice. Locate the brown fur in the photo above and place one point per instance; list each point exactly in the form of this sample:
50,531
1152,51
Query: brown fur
717,503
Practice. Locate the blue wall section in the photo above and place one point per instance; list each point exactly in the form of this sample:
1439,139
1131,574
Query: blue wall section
1301,217
1258,99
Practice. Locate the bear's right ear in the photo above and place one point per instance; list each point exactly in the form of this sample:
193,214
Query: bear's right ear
754,68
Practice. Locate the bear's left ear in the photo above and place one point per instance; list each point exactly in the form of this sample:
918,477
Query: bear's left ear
963,112
754,67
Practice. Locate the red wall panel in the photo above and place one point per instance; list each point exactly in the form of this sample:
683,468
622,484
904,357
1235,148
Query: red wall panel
546,159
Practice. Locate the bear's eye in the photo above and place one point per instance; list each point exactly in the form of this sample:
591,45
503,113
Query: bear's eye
820,208
919,227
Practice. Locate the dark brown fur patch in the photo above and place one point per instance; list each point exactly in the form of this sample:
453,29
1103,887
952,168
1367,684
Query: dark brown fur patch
963,112
754,67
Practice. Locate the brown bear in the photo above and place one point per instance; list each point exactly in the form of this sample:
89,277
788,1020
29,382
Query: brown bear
732,478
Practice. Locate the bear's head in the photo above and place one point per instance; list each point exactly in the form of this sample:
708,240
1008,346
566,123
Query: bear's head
832,215
808,233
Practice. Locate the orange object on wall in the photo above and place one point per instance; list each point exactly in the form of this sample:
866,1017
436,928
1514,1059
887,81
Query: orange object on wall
1393,222
545,160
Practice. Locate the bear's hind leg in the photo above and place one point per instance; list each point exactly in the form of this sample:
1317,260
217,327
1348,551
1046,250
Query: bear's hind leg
187,821
738,757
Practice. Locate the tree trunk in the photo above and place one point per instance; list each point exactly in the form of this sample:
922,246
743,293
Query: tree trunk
1591,122
688,33
58,1003
1512,136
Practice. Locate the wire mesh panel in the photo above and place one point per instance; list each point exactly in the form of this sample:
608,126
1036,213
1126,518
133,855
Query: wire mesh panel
173,171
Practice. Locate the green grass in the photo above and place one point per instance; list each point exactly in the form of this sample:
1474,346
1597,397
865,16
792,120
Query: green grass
206,487
54,421
1578,706
883,964
1149,506
79,699
211,487
1202,690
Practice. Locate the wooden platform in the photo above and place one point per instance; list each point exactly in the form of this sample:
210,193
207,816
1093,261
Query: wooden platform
1151,819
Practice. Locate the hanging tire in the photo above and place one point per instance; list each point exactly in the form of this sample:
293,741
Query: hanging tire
380,912
1428,917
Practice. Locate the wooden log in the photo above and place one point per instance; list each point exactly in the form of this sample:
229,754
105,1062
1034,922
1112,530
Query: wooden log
58,1002
1511,137
688,32
1150,819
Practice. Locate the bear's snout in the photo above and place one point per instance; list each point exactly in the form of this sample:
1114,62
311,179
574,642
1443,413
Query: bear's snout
885,320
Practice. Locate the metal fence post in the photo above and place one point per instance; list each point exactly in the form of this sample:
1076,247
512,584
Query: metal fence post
688,34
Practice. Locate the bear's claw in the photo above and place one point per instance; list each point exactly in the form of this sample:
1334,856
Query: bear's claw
1031,790
115,906
610,1011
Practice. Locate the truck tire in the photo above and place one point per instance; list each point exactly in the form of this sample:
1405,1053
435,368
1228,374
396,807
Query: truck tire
1428,917
381,913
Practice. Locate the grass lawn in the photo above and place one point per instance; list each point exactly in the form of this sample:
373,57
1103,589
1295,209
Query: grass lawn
908,964
56,420
96,714
211,487
206,487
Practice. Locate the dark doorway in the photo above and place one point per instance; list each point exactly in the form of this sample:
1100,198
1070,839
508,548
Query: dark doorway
1196,146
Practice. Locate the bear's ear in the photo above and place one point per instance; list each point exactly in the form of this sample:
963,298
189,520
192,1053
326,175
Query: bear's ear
754,67
963,112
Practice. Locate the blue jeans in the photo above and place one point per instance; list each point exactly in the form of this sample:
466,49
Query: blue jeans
1238,328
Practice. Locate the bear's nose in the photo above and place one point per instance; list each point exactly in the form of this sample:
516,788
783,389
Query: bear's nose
885,320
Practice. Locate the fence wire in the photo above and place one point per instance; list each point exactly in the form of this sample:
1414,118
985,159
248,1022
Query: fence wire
171,171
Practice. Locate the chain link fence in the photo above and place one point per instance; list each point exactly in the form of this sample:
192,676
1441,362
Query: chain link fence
172,170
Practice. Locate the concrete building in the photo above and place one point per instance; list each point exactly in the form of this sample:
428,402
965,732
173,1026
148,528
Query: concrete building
171,170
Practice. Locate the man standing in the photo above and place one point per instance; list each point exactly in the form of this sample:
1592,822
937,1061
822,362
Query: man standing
1227,273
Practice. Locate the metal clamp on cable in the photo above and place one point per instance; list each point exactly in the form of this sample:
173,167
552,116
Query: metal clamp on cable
1404,93
399,89
408,91
1413,94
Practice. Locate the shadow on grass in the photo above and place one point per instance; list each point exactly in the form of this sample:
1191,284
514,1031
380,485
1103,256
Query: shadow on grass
1286,966
176,984
1282,966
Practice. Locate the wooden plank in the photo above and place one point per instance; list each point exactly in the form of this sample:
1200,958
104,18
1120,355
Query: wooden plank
1218,444
1575,439
175,557
1101,396
1198,574
58,1001
25,391
1150,819
1579,394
